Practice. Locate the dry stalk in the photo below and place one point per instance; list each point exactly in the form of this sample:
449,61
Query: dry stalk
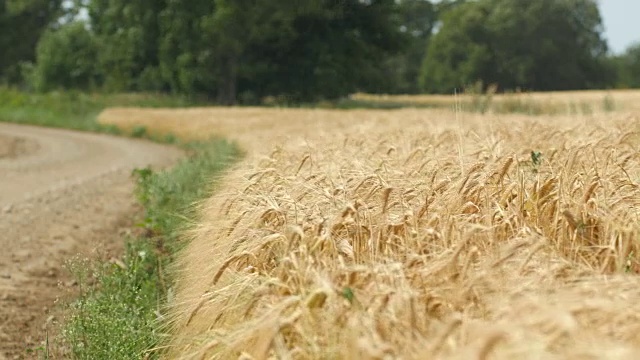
404,219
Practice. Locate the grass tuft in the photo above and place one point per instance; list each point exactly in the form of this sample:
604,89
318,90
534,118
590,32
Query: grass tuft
139,132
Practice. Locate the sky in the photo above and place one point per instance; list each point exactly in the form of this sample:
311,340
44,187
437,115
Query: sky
622,27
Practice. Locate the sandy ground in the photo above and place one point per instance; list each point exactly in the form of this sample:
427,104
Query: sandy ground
62,194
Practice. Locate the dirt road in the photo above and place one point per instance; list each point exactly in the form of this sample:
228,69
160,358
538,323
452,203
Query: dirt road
62,193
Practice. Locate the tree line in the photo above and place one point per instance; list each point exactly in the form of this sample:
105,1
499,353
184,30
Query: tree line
245,50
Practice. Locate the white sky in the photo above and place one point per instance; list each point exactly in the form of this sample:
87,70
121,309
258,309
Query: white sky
622,23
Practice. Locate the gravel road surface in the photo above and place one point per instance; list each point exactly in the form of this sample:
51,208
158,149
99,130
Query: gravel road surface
63,194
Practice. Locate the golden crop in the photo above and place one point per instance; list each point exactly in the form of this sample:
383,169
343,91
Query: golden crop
413,234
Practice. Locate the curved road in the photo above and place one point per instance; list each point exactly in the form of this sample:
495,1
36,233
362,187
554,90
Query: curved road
63,194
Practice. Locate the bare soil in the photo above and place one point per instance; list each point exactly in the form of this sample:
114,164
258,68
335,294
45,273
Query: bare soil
63,195
12,147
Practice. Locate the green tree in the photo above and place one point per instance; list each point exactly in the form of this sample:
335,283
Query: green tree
627,67
227,30
66,58
459,53
417,19
296,50
22,22
185,55
535,45
128,31
201,44
321,49
302,51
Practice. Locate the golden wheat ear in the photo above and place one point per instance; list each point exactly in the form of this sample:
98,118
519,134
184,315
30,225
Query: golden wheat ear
390,234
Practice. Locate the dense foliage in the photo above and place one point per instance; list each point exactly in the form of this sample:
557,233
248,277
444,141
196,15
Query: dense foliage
627,66
296,51
22,23
535,45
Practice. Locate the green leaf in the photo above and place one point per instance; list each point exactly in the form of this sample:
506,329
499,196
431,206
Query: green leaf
536,158
348,294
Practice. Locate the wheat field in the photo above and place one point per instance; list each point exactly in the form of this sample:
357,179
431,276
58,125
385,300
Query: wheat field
410,234
557,103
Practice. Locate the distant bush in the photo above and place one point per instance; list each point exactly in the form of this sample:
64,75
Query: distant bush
139,131
66,59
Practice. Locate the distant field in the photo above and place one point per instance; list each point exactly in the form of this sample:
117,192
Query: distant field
554,103
413,233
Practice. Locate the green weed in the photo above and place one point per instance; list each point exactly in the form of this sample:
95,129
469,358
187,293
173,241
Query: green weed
536,160
42,352
139,132
119,315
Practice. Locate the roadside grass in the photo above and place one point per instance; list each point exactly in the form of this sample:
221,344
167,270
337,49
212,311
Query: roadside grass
75,110
118,313
120,302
